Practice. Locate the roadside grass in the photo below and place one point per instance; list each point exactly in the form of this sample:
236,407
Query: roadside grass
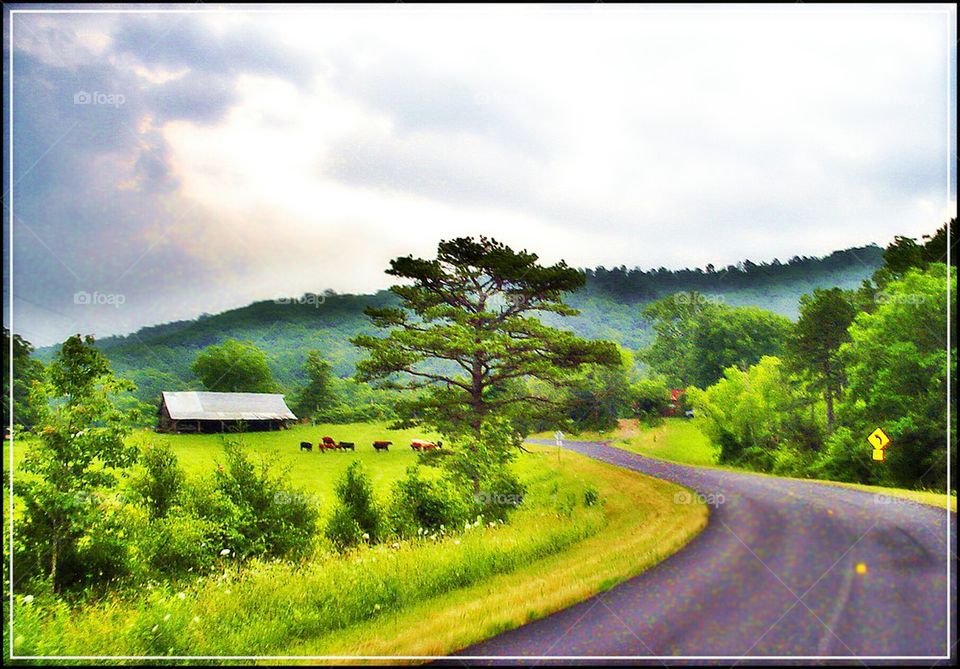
426,597
679,440
643,525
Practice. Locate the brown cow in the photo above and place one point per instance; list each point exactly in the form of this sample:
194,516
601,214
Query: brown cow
422,445
381,445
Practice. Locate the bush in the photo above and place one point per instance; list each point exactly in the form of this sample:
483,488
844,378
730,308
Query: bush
160,483
417,503
357,515
180,542
649,399
791,461
342,530
845,458
104,552
272,519
355,493
503,494
201,498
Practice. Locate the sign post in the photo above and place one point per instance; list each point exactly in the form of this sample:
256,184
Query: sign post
879,440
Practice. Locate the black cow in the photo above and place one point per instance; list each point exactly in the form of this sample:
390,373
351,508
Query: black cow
306,446
346,445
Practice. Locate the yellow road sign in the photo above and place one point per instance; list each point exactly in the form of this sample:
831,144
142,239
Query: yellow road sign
879,439
879,454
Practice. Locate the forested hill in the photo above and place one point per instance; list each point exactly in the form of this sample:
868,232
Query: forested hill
159,357
612,300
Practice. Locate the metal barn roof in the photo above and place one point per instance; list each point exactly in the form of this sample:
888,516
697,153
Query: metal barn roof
194,405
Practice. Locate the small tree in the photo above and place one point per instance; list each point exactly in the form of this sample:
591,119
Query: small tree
82,438
814,344
358,513
599,394
234,366
161,482
318,394
467,328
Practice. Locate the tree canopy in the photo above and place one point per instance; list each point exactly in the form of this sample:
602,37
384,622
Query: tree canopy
696,338
815,342
234,366
472,312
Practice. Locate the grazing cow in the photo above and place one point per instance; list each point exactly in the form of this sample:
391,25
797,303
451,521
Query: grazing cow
327,444
421,445
346,445
381,445
306,446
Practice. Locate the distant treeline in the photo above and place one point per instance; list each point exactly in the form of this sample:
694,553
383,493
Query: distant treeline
637,285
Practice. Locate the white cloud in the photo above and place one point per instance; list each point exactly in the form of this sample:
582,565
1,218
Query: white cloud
315,145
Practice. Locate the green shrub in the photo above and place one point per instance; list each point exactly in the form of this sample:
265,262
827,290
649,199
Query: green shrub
201,498
355,493
179,543
791,461
271,519
503,493
422,505
845,458
104,552
649,399
161,481
342,530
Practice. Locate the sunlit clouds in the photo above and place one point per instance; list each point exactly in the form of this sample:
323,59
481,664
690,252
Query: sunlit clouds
255,155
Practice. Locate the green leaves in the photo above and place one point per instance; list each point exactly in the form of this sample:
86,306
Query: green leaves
896,366
467,339
82,440
815,342
696,338
234,366
319,394
749,414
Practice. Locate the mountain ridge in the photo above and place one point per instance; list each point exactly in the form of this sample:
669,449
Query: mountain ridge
158,357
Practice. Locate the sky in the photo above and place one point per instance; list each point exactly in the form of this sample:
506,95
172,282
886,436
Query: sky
168,164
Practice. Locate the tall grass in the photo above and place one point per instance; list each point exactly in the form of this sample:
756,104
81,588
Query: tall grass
261,608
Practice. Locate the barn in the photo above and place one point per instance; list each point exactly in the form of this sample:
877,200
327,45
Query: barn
194,411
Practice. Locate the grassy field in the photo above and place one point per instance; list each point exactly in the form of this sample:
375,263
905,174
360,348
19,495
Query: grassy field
679,440
313,472
424,597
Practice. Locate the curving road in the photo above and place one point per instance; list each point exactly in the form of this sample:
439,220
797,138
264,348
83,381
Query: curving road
783,569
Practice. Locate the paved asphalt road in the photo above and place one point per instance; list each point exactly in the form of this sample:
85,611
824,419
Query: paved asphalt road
775,573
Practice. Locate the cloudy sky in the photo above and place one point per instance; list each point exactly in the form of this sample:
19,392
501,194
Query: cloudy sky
169,164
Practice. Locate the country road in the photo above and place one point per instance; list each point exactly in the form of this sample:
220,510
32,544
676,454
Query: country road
784,569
